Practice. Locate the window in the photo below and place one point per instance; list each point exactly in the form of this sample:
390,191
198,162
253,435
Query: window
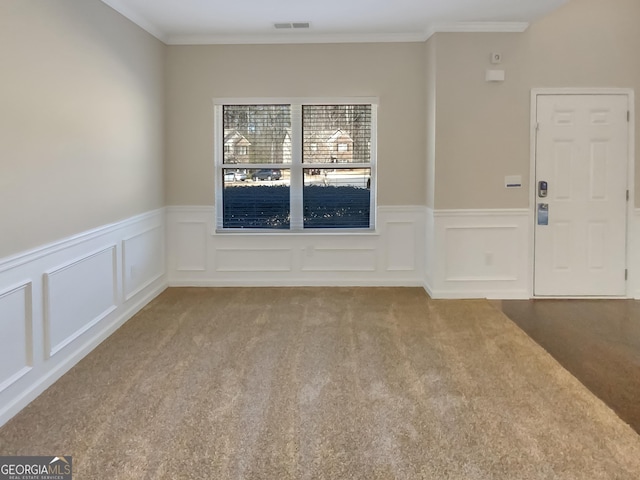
308,165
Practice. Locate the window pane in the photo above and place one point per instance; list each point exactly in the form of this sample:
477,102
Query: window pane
260,200
336,133
337,198
256,133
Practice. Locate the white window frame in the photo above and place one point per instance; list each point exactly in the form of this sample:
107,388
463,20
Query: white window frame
296,166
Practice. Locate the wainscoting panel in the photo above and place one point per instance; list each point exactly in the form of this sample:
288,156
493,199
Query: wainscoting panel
59,301
77,296
481,253
16,341
198,256
316,259
142,260
402,236
430,251
253,260
478,254
191,246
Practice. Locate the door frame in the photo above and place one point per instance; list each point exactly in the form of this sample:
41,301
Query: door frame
629,93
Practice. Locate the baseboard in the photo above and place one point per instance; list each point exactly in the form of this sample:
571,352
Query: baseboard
296,283
427,287
489,295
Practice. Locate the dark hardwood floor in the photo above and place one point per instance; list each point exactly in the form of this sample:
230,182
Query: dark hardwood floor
598,341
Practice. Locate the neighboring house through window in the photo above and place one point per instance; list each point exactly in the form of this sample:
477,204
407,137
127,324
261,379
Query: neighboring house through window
309,165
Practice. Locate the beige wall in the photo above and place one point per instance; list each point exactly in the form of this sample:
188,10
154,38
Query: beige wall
81,120
392,72
482,129
82,127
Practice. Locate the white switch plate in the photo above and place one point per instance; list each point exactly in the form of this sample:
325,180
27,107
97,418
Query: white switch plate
495,76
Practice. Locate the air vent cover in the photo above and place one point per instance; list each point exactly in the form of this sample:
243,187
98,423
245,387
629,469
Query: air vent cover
287,25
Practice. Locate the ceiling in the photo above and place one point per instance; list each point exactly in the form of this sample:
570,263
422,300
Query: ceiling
180,22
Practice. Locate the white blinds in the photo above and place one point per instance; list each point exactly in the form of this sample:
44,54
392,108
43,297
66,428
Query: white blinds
257,133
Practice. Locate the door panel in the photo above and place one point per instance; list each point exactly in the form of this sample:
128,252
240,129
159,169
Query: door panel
581,152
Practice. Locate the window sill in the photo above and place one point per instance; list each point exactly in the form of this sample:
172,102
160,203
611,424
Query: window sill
304,233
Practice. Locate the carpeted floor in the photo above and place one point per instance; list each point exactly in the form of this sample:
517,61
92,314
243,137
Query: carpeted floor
323,383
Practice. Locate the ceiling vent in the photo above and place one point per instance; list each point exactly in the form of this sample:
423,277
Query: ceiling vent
288,25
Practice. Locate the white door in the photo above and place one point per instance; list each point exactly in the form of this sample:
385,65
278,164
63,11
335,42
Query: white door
582,155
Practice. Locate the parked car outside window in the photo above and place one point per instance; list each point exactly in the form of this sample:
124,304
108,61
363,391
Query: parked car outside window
266,174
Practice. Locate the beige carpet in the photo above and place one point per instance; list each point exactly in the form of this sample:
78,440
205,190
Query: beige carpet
319,383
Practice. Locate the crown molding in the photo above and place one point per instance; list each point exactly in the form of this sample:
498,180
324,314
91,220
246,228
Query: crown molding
293,38
476,27
304,37
136,18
